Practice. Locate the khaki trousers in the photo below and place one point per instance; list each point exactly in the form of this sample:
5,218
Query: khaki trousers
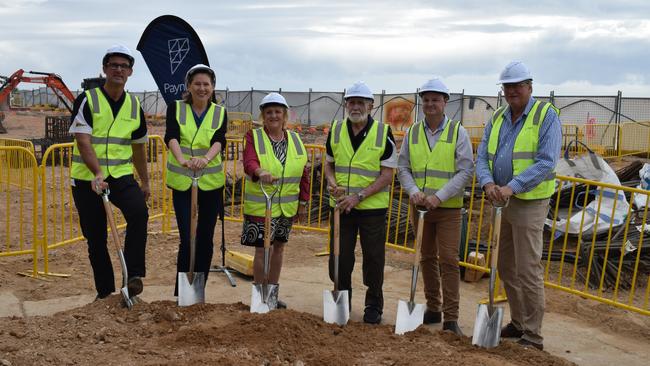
439,261
520,264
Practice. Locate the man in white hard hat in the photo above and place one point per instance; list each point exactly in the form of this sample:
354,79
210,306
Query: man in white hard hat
516,165
110,138
435,164
361,156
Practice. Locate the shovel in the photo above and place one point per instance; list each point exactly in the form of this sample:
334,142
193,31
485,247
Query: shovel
264,297
409,314
336,304
116,241
191,285
487,326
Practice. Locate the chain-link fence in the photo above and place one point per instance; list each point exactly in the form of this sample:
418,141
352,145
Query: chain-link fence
315,108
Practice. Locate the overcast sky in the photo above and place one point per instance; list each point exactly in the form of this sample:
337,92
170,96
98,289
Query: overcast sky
572,47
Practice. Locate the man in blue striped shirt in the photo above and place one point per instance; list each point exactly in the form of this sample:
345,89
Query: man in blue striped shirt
516,162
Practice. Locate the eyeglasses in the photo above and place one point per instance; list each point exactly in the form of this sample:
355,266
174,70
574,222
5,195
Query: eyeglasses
116,66
518,85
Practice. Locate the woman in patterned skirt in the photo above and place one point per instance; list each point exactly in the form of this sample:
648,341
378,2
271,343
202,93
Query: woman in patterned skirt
277,157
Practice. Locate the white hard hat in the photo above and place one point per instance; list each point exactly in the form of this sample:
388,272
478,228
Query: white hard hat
200,67
359,89
515,72
118,50
273,98
435,85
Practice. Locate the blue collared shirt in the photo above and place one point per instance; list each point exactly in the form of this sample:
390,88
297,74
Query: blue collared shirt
548,152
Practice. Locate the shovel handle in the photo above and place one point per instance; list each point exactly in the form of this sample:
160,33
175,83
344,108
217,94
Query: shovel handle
111,220
194,198
418,235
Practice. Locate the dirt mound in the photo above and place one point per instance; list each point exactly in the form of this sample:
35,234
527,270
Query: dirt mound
160,333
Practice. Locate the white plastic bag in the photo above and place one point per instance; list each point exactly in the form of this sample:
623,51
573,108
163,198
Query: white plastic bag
613,205
641,200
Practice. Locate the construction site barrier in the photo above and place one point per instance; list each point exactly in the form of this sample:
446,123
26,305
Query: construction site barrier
16,159
19,212
587,265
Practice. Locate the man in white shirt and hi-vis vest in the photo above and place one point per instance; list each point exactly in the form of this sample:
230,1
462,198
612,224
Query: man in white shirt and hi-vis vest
516,164
361,156
435,164
110,138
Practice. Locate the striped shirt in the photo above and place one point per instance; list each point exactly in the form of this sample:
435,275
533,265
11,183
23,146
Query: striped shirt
548,152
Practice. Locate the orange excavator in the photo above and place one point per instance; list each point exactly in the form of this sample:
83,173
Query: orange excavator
51,80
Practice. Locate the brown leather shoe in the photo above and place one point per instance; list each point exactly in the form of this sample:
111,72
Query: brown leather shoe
526,343
510,331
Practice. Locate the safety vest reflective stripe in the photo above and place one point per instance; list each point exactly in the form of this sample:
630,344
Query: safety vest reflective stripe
216,120
95,98
433,174
276,199
359,171
193,152
103,161
110,140
190,173
261,148
282,180
355,190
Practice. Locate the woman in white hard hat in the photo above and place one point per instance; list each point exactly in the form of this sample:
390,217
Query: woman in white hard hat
277,157
195,136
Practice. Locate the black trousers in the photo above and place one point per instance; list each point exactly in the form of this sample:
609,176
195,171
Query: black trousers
125,193
210,204
372,231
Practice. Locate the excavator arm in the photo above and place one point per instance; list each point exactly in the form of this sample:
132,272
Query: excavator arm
51,80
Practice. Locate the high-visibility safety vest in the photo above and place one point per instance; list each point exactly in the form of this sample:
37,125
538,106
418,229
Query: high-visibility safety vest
433,168
196,142
285,201
111,137
525,148
356,170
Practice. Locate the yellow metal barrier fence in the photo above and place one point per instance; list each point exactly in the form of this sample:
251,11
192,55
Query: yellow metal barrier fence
635,138
16,159
20,211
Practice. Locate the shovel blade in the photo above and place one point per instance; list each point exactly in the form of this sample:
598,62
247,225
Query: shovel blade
264,298
336,307
487,327
127,299
408,317
191,292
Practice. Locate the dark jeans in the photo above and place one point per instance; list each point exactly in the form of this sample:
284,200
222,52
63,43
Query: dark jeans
210,204
125,193
372,231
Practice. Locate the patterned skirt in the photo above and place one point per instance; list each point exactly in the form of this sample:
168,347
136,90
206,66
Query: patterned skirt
253,230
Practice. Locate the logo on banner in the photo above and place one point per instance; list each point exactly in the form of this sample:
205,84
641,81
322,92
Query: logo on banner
178,49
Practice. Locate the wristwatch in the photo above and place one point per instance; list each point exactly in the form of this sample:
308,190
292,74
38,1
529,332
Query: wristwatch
303,203
361,196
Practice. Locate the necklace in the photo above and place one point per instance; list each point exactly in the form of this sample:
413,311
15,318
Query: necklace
276,140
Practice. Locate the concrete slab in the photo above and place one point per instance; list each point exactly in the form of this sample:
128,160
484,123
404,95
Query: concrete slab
9,305
51,306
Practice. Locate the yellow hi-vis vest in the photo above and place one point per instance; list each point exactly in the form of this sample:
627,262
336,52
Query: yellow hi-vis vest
525,148
433,168
285,201
111,137
196,142
356,170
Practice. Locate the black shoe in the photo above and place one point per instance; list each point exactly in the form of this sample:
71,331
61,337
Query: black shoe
281,305
527,344
432,317
372,315
134,285
510,331
101,297
452,326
